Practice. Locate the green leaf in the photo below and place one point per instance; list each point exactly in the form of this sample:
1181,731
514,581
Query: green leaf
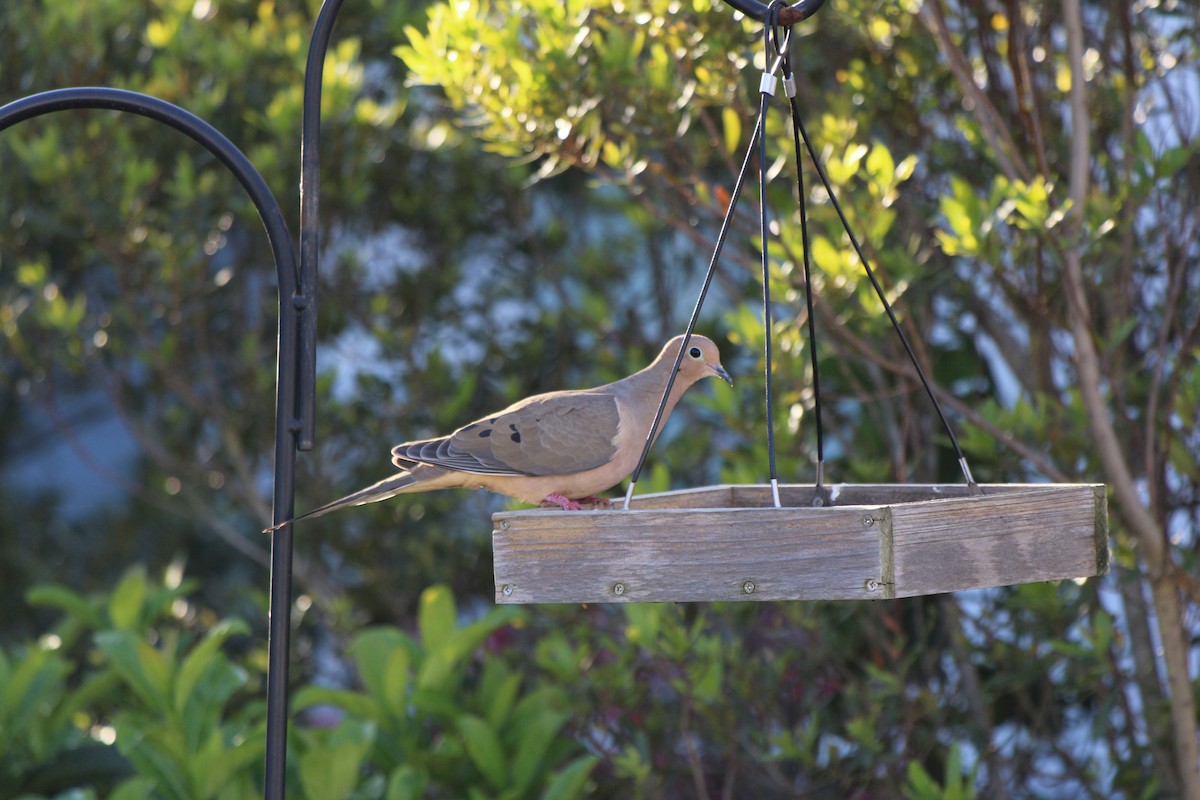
406,783
440,665
29,687
71,603
140,788
353,703
125,604
570,781
95,687
383,661
920,785
829,258
881,165
1173,160
904,169
331,771
153,755
708,678
643,622
204,709
498,691
731,123
841,170
483,746
32,275
537,734
142,668
201,658
213,766
436,618
955,789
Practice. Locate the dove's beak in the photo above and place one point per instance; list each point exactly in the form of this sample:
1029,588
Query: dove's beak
720,372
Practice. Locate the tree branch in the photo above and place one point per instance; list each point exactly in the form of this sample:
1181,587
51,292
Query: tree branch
991,124
1146,530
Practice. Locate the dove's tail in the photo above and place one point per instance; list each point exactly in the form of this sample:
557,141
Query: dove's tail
388,487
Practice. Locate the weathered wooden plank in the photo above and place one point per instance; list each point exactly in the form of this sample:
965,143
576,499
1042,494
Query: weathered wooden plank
684,555
802,495
729,543
702,497
998,540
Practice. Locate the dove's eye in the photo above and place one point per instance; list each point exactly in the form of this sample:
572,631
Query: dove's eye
694,352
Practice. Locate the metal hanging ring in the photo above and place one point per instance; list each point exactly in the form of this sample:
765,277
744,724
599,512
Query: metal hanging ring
788,15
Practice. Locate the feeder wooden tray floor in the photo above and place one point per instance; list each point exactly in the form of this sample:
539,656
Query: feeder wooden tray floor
870,542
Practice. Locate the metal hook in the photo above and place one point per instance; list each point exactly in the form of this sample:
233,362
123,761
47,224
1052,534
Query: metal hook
773,12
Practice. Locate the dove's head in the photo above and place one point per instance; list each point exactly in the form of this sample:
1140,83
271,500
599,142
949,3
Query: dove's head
701,359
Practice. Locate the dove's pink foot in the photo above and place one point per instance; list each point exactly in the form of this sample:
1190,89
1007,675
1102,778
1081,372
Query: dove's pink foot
565,503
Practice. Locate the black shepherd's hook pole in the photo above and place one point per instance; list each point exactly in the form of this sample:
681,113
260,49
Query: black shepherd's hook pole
279,652
294,368
310,162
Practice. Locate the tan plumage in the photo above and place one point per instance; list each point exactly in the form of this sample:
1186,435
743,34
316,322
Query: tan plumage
554,448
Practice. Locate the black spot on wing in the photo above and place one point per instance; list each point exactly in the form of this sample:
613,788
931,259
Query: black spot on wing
462,452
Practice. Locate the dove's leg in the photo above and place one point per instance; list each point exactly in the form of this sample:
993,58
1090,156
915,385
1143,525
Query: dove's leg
565,503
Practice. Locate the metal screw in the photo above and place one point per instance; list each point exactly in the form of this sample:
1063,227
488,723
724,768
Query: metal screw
868,520
504,525
618,589
748,587
872,585
507,590
818,502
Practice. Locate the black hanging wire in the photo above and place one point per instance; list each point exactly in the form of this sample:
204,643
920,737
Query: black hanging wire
799,129
789,88
766,91
756,140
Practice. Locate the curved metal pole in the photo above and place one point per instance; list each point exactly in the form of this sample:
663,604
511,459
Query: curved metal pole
289,405
788,15
310,190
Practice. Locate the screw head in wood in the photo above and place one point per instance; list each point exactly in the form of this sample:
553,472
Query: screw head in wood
504,525
748,587
868,520
871,585
507,590
618,589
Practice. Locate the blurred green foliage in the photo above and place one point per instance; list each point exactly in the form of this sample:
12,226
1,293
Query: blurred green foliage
141,693
151,675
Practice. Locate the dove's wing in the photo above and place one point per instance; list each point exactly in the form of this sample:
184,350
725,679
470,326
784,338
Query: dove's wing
553,434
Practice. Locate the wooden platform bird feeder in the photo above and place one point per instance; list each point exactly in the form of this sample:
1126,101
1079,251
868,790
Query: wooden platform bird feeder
866,542
838,542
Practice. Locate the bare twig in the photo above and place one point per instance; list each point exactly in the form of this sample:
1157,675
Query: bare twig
973,688
991,124
900,367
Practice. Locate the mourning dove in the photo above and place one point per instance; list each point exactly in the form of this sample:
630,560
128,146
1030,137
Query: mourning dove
556,448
